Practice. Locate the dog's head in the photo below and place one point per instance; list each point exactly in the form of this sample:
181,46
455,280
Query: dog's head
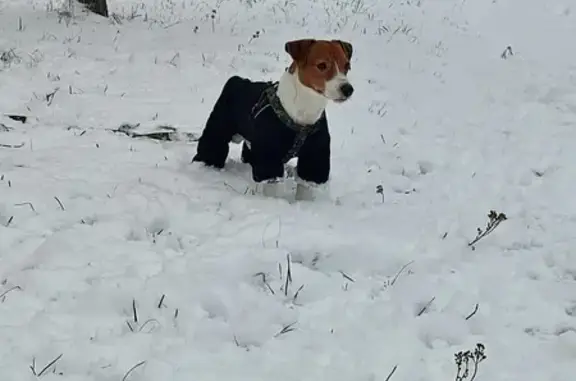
322,65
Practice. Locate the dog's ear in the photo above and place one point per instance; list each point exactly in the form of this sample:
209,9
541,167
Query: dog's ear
298,49
347,47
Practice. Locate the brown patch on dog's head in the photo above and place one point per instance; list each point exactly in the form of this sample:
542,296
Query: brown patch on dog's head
321,63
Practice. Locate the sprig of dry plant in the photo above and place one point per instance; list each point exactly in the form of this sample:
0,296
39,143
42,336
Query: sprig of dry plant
494,219
467,363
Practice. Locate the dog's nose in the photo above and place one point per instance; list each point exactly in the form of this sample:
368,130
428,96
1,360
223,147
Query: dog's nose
346,90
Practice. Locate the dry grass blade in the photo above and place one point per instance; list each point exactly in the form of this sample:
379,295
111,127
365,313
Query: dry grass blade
134,311
132,369
473,312
50,364
400,272
28,204
286,329
288,275
391,373
346,276
265,282
161,301
146,323
59,203
297,293
425,308
33,366
10,290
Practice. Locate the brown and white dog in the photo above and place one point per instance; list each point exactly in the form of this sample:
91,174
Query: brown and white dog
279,121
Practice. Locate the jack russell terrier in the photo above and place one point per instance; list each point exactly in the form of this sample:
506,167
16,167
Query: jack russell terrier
283,120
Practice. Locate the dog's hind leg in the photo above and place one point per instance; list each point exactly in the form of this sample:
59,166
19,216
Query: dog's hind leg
213,145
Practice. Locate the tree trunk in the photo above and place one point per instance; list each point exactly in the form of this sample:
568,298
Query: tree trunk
99,7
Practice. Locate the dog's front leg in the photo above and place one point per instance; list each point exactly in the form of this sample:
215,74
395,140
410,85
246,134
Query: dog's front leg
267,168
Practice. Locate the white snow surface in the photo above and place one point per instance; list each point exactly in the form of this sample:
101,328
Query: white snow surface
92,221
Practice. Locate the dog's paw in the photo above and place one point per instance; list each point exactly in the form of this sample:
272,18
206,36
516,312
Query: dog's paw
271,188
304,193
307,191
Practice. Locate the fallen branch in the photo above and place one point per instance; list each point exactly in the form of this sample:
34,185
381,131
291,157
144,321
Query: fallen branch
12,145
18,118
165,133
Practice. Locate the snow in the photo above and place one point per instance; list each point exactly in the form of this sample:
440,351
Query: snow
92,221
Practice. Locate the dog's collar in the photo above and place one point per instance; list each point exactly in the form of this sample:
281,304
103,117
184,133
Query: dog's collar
270,98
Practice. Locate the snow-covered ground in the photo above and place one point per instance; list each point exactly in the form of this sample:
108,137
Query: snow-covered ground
95,225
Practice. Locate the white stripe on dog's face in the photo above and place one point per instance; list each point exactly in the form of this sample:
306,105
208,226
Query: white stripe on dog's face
338,88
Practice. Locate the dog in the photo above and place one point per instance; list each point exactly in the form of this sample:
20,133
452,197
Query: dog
278,121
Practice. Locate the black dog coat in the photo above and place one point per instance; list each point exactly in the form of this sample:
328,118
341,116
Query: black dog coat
253,110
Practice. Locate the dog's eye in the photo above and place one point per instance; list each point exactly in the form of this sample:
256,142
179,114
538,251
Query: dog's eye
347,67
322,66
